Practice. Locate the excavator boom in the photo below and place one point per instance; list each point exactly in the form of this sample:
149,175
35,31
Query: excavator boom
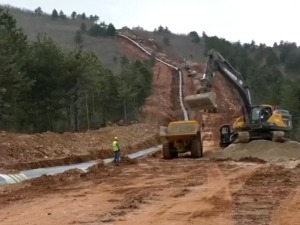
205,98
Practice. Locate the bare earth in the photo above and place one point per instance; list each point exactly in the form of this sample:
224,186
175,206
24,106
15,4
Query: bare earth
261,187
155,191
29,151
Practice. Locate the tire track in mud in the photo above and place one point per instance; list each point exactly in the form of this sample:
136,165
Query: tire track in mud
192,192
288,211
152,191
217,203
262,193
152,184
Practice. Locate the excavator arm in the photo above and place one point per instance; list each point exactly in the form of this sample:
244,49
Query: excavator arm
216,63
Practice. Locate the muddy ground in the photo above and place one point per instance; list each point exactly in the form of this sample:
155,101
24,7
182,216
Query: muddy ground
258,184
29,151
155,191
261,151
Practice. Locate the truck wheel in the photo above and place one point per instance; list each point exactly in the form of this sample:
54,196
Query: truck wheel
167,153
196,148
174,153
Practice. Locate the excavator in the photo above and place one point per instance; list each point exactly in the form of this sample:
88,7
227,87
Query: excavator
257,121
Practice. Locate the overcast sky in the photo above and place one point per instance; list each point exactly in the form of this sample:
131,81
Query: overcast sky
264,21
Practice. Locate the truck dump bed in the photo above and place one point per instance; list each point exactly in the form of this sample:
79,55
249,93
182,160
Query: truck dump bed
179,130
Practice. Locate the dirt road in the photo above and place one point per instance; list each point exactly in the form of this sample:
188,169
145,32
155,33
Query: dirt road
153,191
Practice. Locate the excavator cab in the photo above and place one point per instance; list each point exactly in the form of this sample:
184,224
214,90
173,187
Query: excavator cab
262,123
264,117
260,115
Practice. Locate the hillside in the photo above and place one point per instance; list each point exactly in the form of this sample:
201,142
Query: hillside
63,32
55,101
284,55
271,72
107,49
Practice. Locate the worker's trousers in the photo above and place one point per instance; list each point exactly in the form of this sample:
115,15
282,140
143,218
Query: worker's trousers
117,157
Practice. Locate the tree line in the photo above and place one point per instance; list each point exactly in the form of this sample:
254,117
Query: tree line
74,15
44,87
90,25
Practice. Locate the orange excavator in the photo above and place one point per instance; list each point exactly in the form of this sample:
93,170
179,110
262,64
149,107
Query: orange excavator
257,122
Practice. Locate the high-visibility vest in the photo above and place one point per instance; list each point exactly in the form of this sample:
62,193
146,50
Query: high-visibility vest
116,146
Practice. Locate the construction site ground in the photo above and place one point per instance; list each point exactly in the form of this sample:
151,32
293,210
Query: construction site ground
29,151
156,191
254,184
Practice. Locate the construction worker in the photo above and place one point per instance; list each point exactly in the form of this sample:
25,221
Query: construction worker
117,150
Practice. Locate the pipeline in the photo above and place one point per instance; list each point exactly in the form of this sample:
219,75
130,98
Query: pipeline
185,113
183,109
6,179
30,174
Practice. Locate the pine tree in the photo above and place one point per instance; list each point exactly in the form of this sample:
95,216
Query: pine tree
13,82
54,14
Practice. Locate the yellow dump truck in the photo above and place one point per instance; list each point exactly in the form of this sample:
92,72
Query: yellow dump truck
181,137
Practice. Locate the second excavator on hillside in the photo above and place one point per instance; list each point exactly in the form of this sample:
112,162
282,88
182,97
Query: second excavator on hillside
257,122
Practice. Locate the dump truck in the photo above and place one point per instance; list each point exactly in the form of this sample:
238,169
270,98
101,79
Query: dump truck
181,137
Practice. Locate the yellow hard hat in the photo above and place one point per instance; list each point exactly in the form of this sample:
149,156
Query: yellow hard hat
116,138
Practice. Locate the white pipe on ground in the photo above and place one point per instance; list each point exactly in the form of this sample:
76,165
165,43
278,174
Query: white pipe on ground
30,174
6,179
183,109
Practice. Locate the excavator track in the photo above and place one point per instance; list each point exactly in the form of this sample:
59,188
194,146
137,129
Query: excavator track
243,137
278,136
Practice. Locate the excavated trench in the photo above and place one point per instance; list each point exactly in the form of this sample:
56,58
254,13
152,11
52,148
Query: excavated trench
30,174
34,173
176,79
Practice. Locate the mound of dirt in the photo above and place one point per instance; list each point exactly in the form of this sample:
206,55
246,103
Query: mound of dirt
28,151
67,176
261,150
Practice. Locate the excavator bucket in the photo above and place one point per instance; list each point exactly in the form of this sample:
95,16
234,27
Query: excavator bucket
203,101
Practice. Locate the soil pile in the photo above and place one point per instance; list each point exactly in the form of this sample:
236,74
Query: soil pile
261,150
24,151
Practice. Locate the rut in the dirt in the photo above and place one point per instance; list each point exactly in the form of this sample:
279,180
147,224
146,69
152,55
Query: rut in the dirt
262,193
